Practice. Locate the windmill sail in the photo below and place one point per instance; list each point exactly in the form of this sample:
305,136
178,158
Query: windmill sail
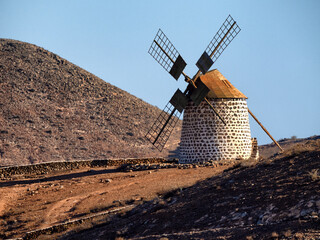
227,32
163,51
162,128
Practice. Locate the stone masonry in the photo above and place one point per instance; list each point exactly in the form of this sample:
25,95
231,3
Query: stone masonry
204,137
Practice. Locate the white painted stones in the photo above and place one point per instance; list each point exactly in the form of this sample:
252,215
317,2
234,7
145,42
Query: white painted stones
204,137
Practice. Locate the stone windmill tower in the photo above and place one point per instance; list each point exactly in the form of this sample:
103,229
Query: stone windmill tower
215,122
205,137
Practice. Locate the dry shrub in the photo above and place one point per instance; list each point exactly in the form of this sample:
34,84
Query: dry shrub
314,174
299,235
287,233
274,235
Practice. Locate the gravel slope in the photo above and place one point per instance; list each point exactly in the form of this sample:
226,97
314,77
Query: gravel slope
53,110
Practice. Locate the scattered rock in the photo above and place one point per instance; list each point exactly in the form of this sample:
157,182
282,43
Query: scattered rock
105,180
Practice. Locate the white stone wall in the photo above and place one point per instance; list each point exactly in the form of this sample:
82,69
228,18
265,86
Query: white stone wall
204,137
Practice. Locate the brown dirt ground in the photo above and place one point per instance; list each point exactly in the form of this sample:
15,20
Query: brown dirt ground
41,201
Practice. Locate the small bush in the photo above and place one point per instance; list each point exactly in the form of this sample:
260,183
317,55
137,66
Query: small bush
314,174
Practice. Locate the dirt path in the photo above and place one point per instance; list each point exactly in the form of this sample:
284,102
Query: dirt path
42,201
7,197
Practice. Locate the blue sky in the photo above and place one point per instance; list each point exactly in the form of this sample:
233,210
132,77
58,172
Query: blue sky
274,60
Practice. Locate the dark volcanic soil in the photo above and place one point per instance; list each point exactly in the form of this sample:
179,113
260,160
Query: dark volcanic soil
52,110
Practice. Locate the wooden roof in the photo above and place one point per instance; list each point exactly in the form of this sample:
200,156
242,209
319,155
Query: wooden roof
219,86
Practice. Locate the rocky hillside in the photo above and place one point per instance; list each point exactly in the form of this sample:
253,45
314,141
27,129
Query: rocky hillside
52,110
271,149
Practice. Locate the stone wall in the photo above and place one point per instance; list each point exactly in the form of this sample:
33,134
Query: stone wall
204,137
44,168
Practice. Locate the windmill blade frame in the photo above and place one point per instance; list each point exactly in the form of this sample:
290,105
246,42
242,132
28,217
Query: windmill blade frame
227,32
163,51
162,128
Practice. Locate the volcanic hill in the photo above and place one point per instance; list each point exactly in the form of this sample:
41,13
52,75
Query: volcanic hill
53,110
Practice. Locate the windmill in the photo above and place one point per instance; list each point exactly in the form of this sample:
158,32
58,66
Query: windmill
215,122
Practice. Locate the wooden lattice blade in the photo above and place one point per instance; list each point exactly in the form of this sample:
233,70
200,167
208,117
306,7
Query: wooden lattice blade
163,51
227,32
162,128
